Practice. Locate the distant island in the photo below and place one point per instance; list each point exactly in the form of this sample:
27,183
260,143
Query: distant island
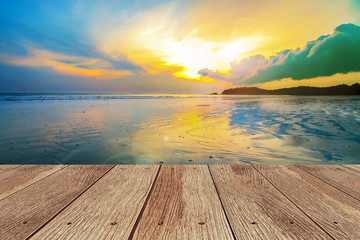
304,91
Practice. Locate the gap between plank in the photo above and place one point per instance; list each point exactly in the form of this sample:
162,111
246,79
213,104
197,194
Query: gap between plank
222,205
68,204
294,203
33,182
144,206
327,182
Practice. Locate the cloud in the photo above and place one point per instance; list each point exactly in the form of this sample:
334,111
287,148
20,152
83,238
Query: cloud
151,40
338,52
180,39
96,68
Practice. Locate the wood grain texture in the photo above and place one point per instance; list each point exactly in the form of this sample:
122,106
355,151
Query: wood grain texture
108,210
352,167
183,205
338,176
333,210
15,179
23,212
6,167
256,210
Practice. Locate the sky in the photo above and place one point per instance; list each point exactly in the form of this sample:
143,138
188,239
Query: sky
194,46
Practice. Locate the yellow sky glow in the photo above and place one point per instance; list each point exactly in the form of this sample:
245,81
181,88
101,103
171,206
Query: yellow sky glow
195,54
212,34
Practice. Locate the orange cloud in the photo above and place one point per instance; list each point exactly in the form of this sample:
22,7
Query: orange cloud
98,69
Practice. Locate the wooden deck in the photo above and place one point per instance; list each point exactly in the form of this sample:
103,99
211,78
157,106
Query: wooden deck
179,202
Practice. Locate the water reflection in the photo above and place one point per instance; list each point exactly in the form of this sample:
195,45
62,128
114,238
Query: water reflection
325,128
182,130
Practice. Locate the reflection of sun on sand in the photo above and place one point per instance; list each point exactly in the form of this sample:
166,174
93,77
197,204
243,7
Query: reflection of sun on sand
206,134
174,139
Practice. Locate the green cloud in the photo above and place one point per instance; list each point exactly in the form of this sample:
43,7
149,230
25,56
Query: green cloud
338,52
326,56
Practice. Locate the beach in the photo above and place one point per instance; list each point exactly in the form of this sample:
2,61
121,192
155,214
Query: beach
178,129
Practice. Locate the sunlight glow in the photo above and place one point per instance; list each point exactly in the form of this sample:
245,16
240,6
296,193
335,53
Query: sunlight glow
194,53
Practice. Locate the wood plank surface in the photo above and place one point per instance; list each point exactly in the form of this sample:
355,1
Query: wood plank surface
22,176
256,210
343,178
183,205
4,168
336,212
23,212
352,167
108,210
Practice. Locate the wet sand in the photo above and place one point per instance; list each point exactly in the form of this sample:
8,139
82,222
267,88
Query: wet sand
181,130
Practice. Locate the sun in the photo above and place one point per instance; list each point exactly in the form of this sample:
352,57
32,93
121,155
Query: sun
194,54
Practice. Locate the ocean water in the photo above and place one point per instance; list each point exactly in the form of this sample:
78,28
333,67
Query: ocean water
178,129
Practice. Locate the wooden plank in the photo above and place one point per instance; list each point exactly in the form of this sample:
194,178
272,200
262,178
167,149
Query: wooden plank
256,210
23,212
333,210
108,210
353,167
344,179
15,179
183,205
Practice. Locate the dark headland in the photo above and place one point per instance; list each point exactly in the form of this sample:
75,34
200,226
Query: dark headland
304,91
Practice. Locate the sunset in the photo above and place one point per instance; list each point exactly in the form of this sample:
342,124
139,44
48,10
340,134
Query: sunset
176,46
179,119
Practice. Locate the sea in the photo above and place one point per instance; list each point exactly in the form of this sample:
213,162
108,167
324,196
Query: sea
178,129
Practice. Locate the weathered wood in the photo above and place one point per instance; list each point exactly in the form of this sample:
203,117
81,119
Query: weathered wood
343,178
183,205
336,212
23,212
256,210
22,176
40,201
108,210
352,167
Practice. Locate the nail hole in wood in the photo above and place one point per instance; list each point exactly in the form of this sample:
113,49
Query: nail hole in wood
201,223
291,222
24,222
69,223
335,222
113,223
253,222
